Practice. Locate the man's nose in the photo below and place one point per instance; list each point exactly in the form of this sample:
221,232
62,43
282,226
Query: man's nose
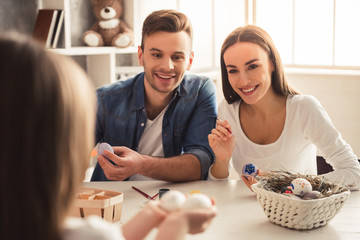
167,64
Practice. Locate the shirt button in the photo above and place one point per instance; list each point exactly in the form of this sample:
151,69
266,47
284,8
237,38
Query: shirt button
142,124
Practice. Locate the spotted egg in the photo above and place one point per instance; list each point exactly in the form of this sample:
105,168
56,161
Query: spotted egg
300,186
250,170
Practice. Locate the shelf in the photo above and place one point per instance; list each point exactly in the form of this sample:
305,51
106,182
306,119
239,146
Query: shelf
78,51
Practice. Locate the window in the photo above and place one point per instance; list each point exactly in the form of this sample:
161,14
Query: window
310,33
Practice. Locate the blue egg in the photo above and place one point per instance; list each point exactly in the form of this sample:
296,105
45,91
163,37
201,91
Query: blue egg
250,170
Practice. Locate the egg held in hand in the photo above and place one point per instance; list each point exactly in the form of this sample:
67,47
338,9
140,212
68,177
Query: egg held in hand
250,170
172,200
104,146
198,200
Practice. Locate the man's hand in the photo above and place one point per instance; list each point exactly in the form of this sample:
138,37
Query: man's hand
128,163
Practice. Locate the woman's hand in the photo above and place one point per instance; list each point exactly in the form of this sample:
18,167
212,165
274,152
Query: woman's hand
221,142
250,180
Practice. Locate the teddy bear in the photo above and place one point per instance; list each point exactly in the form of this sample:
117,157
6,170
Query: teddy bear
109,29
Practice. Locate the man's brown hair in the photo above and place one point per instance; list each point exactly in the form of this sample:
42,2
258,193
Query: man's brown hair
168,21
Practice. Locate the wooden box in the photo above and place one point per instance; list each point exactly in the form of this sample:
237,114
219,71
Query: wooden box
103,203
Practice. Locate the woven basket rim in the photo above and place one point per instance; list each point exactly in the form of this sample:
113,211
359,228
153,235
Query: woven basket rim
256,188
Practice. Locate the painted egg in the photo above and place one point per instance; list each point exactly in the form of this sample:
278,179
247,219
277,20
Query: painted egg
286,189
300,186
172,200
104,146
250,170
311,195
198,200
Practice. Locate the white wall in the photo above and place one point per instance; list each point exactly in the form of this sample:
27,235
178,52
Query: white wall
339,93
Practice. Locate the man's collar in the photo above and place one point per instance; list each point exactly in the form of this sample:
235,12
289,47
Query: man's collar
138,96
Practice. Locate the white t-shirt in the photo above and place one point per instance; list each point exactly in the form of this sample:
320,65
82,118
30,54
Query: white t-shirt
151,142
91,228
307,128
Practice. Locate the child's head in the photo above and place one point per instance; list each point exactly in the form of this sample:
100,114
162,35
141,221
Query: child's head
47,123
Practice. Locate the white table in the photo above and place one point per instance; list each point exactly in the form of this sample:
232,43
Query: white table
239,214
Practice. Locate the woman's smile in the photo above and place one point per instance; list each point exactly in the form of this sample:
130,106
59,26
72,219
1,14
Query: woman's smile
249,90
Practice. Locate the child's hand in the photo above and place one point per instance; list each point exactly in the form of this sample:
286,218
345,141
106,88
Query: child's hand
199,219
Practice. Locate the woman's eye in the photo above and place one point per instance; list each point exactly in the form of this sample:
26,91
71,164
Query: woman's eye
232,71
252,66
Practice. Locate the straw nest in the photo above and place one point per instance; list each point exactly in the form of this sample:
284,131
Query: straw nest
277,180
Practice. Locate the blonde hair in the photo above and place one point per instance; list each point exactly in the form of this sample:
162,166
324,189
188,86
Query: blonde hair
48,108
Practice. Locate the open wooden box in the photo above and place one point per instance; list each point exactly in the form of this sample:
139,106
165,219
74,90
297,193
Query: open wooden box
103,203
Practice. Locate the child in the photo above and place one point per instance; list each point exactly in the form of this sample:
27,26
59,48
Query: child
47,126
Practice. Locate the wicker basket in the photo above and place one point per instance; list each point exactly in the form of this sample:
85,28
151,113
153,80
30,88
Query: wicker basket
298,213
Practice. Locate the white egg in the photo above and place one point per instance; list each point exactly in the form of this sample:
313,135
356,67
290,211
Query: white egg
104,146
172,200
300,186
198,200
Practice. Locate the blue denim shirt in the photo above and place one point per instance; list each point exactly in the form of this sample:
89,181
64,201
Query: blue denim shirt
188,120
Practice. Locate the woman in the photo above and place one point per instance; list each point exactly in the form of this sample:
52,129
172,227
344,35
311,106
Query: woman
47,131
266,122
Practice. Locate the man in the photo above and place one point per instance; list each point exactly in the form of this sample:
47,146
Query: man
161,117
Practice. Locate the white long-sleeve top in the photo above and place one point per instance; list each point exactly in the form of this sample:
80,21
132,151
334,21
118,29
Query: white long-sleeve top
307,128
91,228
